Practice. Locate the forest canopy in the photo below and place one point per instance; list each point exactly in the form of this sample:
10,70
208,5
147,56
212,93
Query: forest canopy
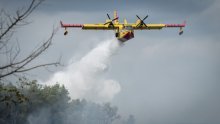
30,102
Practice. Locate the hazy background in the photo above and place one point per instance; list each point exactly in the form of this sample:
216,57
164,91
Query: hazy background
164,77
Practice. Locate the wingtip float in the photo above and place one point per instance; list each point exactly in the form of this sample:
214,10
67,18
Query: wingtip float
123,31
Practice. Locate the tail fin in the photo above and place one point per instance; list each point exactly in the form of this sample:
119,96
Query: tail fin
115,16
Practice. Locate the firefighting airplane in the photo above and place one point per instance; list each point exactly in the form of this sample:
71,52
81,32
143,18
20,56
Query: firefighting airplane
123,31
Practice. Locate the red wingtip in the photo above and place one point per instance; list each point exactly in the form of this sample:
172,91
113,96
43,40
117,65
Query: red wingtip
176,25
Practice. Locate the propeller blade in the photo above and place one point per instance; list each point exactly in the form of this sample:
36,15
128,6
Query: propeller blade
138,25
138,17
141,21
111,22
115,19
108,16
106,23
145,24
145,17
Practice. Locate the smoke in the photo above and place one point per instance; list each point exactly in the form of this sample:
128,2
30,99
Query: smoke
85,79
40,117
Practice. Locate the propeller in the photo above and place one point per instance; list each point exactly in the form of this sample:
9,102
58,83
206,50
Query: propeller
141,21
111,22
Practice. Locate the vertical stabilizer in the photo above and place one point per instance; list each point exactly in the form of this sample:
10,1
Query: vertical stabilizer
125,21
115,16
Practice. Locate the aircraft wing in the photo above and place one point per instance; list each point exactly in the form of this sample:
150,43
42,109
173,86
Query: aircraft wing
148,26
98,27
156,26
90,26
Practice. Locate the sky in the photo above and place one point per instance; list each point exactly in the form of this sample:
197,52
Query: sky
163,77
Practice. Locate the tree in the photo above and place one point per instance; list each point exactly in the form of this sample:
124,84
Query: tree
30,98
10,65
130,120
110,113
86,112
51,105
